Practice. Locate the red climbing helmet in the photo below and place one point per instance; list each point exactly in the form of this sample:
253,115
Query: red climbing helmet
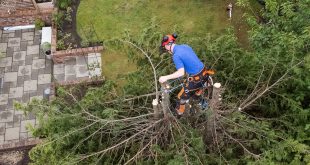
167,39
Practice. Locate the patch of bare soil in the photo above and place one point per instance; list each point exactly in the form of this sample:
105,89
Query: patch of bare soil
14,157
67,34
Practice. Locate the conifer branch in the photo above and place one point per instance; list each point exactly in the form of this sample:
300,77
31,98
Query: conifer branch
259,93
122,142
244,148
151,63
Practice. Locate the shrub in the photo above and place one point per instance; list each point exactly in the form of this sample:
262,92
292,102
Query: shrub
68,14
63,4
39,23
46,46
84,43
60,44
58,18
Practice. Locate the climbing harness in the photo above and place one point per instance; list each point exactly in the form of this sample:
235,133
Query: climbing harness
206,88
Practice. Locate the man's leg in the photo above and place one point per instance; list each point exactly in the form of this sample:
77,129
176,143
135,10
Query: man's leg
183,97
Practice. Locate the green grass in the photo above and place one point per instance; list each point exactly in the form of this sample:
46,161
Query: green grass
109,19
115,65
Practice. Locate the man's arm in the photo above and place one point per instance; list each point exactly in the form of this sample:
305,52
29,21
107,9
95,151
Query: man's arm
179,73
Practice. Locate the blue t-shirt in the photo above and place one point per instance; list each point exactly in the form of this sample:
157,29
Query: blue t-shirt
185,57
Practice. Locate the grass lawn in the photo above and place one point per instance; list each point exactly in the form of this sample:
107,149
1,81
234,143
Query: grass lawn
109,18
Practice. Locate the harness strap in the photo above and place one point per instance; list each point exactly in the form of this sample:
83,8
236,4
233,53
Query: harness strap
200,75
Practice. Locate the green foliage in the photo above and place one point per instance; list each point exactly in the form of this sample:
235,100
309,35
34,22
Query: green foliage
63,4
58,18
60,45
39,23
68,14
46,46
61,41
111,17
84,43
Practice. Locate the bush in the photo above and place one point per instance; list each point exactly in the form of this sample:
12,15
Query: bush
46,46
58,18
60,44
84,43
68,14
63,4
39,23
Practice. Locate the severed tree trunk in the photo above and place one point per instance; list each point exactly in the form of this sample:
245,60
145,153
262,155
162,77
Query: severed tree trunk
214,105
165,103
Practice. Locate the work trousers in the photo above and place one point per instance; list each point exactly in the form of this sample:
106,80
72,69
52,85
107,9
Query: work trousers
192,87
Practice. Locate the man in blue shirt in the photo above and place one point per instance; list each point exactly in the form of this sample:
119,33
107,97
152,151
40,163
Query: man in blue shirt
186,61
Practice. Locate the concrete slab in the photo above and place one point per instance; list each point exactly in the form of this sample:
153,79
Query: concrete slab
24,70
95,72
18,33
34,74
7,61
3,47
9,125
38,64
94,58
59,77
59,69
13,42
9,52
15,65
71,61
30,85
2,128
28,36
12,133
44,78
16,92
23,135
10,77
70,77
33,49
19,56
70,69
12,34
82,71
16,120
81,60
1,139
6,116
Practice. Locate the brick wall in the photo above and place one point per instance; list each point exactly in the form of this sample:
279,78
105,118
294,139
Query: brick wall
20,144
24,17
60,56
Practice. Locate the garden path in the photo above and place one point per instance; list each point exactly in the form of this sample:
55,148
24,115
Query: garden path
24,74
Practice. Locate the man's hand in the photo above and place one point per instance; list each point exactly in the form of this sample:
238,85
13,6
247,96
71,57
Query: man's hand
179,73
162,79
